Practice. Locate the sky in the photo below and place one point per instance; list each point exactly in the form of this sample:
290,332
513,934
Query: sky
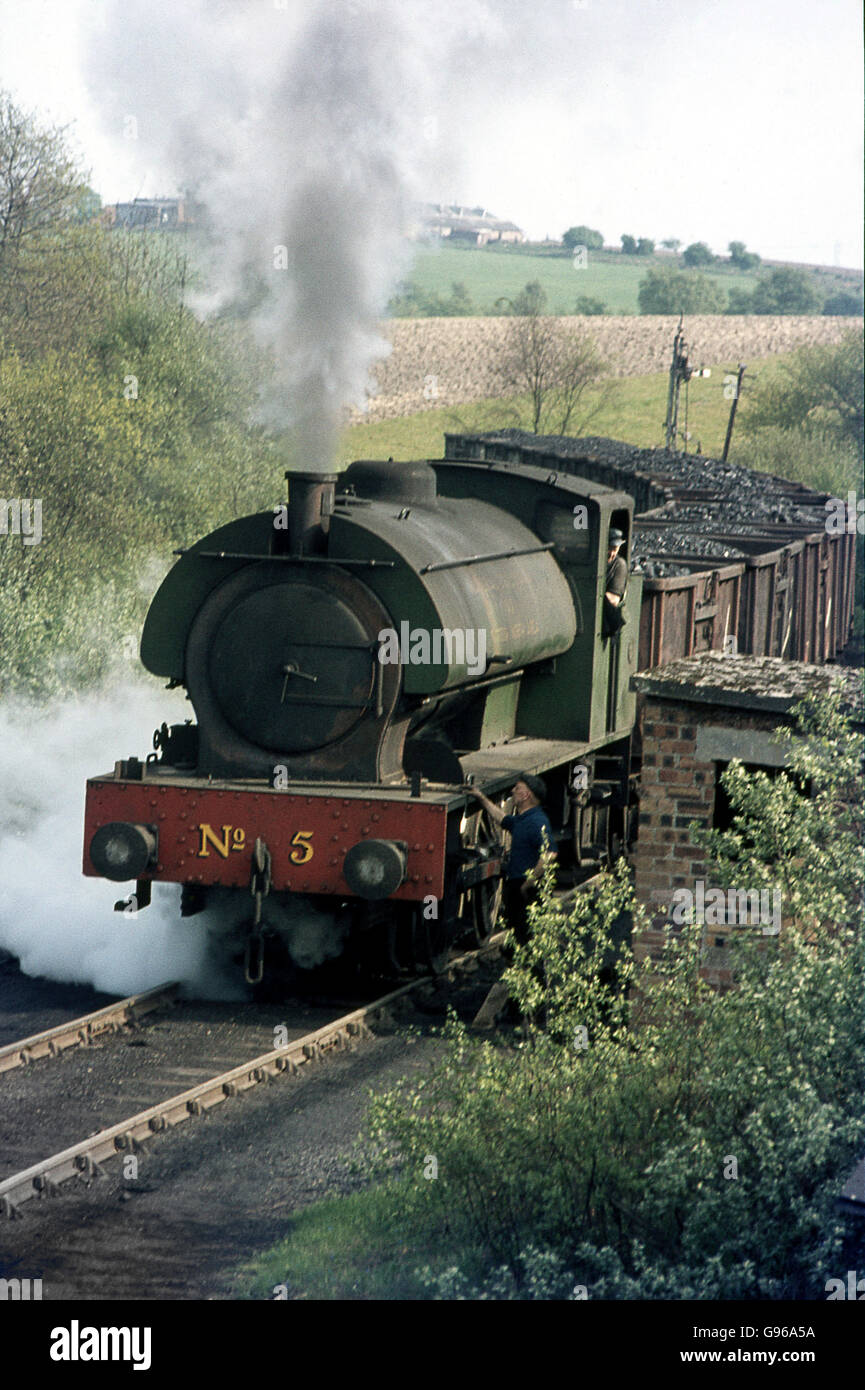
711,121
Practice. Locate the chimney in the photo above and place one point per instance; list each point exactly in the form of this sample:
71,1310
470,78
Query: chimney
310,507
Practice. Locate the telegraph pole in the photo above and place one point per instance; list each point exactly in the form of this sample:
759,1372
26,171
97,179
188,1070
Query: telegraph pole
737,393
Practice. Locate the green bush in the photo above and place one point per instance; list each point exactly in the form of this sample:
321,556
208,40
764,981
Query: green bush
819,392
583,236
657,1138
697,254
134,445
122,415
588,307
846,303
785,291
668,291
820,460
410,301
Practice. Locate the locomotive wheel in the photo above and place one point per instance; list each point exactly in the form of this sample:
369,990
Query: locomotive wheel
480,905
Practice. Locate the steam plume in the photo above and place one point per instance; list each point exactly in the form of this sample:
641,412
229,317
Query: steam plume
304,129
58,923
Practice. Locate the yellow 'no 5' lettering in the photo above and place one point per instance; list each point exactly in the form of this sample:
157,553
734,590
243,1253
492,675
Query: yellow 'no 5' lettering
232,838
303,850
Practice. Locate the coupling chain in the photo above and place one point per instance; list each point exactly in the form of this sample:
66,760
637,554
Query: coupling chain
259,886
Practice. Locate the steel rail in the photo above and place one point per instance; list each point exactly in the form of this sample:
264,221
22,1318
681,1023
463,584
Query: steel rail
84,1030
84,1158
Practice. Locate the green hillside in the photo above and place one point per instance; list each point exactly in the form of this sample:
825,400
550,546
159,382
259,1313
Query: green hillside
489,273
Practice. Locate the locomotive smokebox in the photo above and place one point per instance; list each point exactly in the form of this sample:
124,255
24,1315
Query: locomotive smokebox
310,507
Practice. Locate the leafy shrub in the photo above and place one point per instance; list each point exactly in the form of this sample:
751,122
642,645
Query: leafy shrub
818,392
697,254
588,307
843,304
785,291
583,236
134,445
668,291
656,1138
411,301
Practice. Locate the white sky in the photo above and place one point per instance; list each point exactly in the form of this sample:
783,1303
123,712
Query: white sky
703,119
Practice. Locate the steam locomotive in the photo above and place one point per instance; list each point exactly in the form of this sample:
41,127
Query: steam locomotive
353,660
323,781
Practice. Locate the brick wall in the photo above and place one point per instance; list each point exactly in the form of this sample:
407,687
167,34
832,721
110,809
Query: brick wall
676,789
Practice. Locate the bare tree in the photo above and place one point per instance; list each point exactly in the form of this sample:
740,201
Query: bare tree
52,273
554,365
40,185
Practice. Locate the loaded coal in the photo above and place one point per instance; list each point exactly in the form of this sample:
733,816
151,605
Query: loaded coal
675,542
687,505
651,567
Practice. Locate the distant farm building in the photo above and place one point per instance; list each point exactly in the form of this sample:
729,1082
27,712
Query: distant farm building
151,214
476,226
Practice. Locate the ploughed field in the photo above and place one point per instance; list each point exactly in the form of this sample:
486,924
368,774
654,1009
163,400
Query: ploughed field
448,361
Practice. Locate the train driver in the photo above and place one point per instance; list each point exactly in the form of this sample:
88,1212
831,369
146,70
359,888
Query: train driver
616,584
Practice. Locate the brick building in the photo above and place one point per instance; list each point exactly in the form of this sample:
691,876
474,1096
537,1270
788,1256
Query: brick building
477,226
696,715
151,214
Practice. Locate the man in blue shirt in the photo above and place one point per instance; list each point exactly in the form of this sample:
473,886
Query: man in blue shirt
531,847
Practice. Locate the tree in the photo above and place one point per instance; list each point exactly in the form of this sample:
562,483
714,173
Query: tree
818,391
583,236
669,291
645,246
740,258
588,307
89,204
629,245
697,254
412,301
134,444
550,363
785,291
671,243
40,185
740,302
53,276
844,304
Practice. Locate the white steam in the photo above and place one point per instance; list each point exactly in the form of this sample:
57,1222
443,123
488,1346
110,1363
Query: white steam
57,922
306,128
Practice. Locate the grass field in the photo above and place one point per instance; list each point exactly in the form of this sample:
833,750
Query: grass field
634,411
488,274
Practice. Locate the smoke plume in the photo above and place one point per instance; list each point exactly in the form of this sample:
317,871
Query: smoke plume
58,923
306,130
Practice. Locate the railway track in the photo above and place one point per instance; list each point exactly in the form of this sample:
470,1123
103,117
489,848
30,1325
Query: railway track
85,1030
85,1158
